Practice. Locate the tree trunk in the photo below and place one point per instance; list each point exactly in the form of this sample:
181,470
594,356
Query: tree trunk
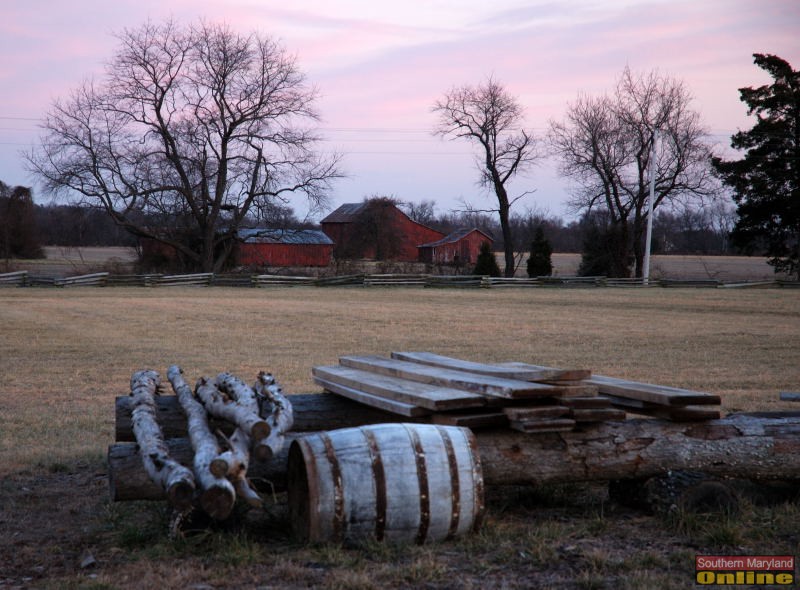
508,240
738,446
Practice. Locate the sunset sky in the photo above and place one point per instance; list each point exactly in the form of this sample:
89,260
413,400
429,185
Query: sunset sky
380,66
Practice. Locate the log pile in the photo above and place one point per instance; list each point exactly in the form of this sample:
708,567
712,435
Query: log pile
258,419
523,397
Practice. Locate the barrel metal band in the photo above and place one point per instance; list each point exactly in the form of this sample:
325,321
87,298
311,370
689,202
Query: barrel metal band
422,475
379,477
455,488
338,491
477,478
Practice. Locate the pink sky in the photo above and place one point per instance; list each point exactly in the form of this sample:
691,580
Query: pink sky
380,67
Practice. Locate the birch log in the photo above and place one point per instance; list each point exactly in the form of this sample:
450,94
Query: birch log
174,479
739,446
218,495
222,404
280,416
244,396
237,455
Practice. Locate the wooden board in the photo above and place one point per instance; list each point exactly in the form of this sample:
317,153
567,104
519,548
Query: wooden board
585,403
554,425
485,420
676,413
598,415
446,362
472,382
655,394
553,373
535,412
395,407
410,392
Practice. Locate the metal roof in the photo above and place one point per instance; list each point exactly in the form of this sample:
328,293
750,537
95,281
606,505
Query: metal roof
454,237
345,213
283,236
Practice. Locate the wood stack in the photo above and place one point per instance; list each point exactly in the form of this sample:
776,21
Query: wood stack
428,387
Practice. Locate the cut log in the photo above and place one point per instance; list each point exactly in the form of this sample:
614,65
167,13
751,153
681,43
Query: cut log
243,395
737,446
313,412
176,481
422,395
279,416
218,496
472,382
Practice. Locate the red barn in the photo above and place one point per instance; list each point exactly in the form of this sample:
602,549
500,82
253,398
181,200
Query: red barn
283,247
460,247
376,229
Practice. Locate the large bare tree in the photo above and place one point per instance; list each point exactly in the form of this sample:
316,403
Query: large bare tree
489,116
604,145
189,129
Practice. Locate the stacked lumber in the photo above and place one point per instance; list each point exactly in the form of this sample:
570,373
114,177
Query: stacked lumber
528,398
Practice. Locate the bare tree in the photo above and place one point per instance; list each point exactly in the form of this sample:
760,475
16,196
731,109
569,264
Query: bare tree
188,130
490,117
604,144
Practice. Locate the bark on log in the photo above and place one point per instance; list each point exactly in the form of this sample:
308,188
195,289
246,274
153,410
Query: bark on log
279,415
218,495
312,412
246,397
245,416
736,446
176,481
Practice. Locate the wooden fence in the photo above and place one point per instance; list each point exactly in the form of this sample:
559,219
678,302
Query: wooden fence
104,279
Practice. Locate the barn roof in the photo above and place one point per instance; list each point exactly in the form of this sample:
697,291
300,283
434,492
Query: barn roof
283,236
345,213
455,237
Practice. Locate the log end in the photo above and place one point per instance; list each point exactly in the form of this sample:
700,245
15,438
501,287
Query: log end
180,494
260,430
218,501
218,467
262,452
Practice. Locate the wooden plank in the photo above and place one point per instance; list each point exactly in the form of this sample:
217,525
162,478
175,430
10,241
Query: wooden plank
485,420
585,403
553,374
472,382
446,362
374,401
555,425
790,396
410,392
676,413
597,415
656,394
534,412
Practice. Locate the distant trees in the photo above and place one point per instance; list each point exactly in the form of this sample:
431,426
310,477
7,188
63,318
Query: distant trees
19,236
604,144
189,130
489,116
766,181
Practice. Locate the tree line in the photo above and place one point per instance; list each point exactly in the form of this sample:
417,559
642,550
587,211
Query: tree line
194,131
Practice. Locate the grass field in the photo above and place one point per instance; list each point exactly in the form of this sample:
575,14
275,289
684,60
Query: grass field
65,355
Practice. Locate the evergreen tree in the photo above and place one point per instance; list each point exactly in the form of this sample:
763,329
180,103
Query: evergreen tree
486,263
540,262
766,182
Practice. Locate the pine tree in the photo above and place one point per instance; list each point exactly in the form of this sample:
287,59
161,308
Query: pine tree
486,263
540,262
766,182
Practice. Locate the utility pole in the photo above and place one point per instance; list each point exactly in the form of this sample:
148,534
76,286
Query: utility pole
650,202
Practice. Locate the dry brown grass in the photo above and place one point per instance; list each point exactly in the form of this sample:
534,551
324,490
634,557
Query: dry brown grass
65,354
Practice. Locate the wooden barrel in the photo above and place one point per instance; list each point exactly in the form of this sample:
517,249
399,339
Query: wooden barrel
397,483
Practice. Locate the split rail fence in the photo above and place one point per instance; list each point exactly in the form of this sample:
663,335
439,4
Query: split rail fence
104,279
